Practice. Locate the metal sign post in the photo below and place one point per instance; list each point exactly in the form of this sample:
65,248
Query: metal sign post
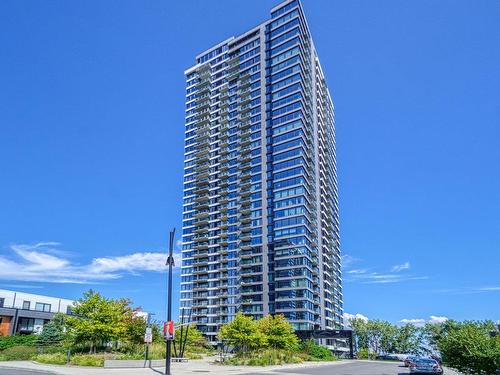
169,333
148,337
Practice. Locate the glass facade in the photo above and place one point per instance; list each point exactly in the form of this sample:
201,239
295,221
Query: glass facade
260,221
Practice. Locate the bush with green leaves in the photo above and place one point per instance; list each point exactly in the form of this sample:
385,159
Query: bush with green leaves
363,353
18,353
17,340
95,360
243,334
315,352
265,357
52,358
471,347
270,340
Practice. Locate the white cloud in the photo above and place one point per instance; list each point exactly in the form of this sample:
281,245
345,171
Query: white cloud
421,322
437,319
488,289
401,267
468,290
357,271
348,260
380,278
367,276
350,317
415,322
38,263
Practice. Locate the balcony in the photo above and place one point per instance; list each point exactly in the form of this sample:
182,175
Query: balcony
202,181
245,218
201,222
202,197
201,206
247,236
245,125
245,228
245,141
201,250
244,176
245,245
245,166
245,192
201,136
201,213
201,238
202,149
203,229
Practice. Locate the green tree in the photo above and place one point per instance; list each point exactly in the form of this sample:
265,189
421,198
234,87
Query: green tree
278,332
408,339
380,336
243,333
469,347
360,331
135,329
194,338
52,334
98,320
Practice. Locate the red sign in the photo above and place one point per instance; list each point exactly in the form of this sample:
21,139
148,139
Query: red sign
169,330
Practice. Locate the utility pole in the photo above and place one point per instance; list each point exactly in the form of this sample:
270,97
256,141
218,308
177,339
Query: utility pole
170,264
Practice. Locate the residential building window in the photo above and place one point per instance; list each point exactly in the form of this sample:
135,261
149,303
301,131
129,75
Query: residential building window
26,324
26,305
45,307
2,301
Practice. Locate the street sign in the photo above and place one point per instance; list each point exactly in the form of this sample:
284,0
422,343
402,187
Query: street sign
169,330
148,336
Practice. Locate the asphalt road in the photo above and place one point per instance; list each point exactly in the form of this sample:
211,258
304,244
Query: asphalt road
6,371
352,368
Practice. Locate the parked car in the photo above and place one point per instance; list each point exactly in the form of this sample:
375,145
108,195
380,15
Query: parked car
388,357
409,360
425,366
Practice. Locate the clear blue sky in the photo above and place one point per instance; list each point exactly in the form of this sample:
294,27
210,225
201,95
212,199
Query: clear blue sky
91,145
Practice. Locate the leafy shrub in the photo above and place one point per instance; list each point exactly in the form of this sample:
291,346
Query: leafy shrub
52,359
191,355
95,360
17,340
157,351
315,352
469,347
363,353
18,353
264,358
52,349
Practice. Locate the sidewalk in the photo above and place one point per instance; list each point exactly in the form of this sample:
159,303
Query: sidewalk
188,368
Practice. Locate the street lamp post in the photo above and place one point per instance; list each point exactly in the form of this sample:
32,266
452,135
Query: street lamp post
170,264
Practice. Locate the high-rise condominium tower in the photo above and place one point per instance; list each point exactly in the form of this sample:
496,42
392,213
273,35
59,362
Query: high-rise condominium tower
261,223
